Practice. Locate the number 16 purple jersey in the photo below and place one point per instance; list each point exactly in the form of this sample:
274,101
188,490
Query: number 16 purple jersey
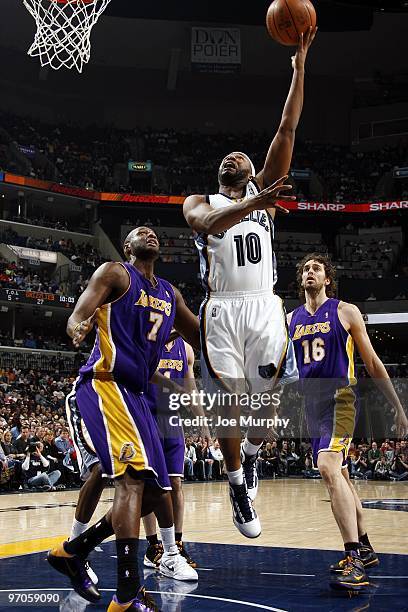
325,359
323,348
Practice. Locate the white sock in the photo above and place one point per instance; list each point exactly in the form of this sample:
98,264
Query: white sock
168,537
250,449
77,528
237,477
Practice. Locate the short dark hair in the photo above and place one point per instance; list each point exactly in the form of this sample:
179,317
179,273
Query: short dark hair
330,271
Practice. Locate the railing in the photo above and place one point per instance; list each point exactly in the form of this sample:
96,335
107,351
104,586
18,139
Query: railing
64,362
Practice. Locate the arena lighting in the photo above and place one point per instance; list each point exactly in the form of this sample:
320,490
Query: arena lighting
400,172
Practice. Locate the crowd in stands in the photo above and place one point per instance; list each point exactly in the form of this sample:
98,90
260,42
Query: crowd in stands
203,459
39,339
180,249
84,254
85,257
34,437
388,461
33,430
42,220
184,161
15,276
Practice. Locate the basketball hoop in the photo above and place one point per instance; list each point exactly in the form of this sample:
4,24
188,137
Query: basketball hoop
64,31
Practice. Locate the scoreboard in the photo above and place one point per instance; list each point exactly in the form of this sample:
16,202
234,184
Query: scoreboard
37,298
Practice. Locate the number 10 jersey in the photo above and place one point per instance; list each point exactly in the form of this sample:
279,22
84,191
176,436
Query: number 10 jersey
242,258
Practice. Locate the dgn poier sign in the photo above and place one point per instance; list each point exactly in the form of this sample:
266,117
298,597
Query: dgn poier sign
215,49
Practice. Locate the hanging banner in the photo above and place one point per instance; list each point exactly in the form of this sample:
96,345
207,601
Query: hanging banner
127,198
216,50
337,207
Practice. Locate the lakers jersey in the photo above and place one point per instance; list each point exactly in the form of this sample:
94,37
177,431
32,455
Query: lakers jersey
131,332
323,348
173,364
241,258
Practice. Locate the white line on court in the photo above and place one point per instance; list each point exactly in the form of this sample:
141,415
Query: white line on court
277,574
389,577
236,601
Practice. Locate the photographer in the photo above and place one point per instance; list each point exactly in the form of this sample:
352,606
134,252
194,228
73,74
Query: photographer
35,468
382,469
399,468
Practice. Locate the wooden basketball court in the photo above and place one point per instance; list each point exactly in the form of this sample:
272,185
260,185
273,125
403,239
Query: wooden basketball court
277,571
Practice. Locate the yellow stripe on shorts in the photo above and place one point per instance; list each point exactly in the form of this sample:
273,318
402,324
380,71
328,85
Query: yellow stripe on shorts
344,420
125,444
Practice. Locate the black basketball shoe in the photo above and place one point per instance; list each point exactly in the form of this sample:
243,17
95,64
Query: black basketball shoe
367,556
250,473
76,570
352,577
153,555
244,516
185,554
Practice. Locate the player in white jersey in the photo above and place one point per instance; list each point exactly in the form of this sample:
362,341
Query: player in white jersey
243,328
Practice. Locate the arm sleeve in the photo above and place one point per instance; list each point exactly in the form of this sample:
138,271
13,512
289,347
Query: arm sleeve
44,461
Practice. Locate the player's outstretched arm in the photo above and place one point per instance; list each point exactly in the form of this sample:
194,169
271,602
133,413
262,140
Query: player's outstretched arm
110,277
201,217
352,320
279,156
190,383
186,322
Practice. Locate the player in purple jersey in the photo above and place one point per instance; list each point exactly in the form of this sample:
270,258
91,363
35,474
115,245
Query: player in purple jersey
133,312
324,331
176,363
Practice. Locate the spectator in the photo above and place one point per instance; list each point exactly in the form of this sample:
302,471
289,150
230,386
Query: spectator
374,456
382,469
199,465
35,467
399,468
15,427
52,454
5,472
218,465
66,450
208,460
190,459
270,460
23,440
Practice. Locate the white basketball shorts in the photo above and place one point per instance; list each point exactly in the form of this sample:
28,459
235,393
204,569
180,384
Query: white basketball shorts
244,337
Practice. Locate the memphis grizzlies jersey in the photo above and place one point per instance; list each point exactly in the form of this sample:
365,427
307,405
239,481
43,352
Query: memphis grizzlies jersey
131,332
241,258
323,348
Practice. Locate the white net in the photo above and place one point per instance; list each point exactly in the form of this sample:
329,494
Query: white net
64,30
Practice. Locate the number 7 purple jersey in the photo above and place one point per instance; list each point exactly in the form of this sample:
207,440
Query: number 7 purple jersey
131,333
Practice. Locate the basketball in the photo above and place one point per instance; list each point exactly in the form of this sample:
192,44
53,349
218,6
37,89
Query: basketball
287,19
